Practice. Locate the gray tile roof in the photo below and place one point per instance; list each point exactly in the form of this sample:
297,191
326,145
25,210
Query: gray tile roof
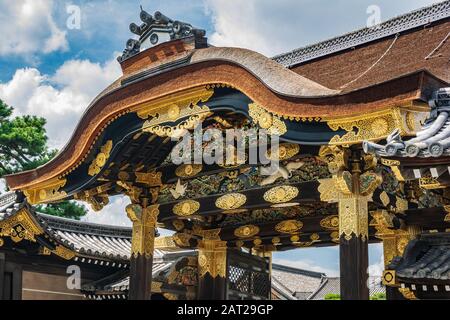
332,285
290,280
426,258
92,242
391,27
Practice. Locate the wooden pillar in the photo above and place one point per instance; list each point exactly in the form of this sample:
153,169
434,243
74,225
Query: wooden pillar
2,272
141,262
212,266
354,235
353,248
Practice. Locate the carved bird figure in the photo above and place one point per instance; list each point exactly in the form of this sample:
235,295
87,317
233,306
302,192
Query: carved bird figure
179,190
284,172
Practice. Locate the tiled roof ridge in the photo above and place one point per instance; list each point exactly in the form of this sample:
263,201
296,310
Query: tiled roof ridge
310,273
76,226
405,22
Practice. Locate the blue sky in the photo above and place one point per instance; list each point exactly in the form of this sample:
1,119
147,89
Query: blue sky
51,70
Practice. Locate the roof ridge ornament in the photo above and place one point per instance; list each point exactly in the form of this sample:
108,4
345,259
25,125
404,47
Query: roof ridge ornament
157,29
432,140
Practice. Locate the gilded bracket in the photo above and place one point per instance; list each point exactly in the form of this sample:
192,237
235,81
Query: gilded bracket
46,192
144,224
376,125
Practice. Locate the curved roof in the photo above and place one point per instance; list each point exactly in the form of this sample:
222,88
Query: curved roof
176,66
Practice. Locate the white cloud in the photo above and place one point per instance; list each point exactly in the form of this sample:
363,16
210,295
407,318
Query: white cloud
112,214
60,98
307,265
28,27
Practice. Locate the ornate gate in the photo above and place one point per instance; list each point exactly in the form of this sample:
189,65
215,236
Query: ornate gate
248,277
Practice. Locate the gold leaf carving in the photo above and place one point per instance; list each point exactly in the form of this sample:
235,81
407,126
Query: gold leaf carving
330,222
101,158
231,201
186,208
246,231
281,194
289,226
188,170
273,124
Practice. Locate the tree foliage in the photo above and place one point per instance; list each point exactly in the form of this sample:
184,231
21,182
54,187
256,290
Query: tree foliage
23,146
66,209
23,142
332,296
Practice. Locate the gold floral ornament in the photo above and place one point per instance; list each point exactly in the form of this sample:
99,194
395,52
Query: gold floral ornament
101,158
186,208
231,201
281,194
246,231
330,222
273,124
285,151
372,126
289,226
188,170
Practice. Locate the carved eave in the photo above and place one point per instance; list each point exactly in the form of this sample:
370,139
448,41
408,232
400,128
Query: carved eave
426,155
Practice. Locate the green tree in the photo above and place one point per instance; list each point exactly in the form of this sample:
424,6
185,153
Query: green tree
66,209
332,296
378,296
23,146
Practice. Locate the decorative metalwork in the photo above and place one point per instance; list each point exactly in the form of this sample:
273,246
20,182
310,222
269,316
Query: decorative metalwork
144,224
328,191
174,131
64,252
281,194
186,208
151,179
384,198
20,226
285,151
430,183
188,170
231,201
212,256
273,124
407,293
101,158
46,192
182,239
375,125
394,165
353,217
330,222
289,226
246,231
